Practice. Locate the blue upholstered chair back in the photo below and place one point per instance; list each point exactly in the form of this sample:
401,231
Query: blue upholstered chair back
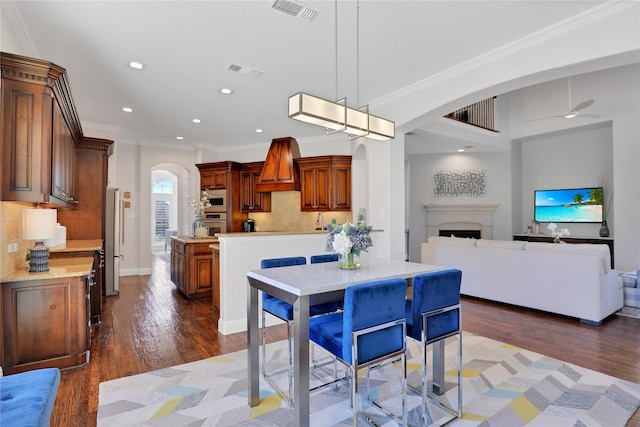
371,304
283,262
316,259
272,304
434,291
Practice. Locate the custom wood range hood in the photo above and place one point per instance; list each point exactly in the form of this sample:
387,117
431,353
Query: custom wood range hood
280,171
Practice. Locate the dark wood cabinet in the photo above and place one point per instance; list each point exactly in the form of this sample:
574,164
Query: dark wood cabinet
213,179
250,199
192,267
216,279
41,132
574,240
97,273
325,183
45,323
64,160
225,175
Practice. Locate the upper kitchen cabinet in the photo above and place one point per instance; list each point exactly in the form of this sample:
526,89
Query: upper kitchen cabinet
325,183
225,175
41,132
250,199
218,175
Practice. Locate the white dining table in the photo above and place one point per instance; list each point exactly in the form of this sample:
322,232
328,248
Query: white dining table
305,285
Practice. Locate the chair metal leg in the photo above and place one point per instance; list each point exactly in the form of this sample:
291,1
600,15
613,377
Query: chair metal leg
439,389
287,398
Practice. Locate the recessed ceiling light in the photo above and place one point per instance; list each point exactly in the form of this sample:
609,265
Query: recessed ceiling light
226,91
127,109
180,138
460,150
196,121
136,65
259,130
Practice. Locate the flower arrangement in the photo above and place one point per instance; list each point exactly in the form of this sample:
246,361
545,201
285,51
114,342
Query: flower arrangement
557,234
198,205
348,240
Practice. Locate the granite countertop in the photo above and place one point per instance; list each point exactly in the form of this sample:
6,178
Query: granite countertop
78,246
65,267
189,239
277,233
270,233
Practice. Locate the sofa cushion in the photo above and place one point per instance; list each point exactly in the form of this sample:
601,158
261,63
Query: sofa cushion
452,241
598,250
630,279
632,297
501,244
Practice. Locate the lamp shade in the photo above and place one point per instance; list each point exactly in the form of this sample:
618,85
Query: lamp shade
40,224
337,116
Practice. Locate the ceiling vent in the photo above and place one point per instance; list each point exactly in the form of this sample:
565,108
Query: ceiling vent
245,71
296,9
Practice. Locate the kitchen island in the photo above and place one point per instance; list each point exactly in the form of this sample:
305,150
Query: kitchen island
45,316
240,252
192,266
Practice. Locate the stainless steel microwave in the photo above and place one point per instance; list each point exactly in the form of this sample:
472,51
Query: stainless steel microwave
217,200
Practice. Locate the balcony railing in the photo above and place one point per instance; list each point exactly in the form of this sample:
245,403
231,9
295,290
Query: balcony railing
480,114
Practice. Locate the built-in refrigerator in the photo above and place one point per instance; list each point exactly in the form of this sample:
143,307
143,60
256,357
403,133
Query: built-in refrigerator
113,239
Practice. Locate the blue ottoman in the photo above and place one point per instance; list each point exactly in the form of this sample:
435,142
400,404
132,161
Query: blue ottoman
26,399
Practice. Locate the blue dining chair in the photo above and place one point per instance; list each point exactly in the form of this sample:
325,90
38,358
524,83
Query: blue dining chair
316,259
370,331
284,311
433,315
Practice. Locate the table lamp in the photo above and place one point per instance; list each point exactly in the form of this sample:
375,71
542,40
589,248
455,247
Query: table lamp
39,224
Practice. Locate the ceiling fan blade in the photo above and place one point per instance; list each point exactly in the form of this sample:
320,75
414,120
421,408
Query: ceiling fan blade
589,116
583,105
543,118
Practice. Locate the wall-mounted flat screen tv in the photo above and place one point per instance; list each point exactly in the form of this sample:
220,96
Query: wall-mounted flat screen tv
570,205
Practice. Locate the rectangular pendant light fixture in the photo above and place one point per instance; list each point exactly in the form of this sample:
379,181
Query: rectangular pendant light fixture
338,117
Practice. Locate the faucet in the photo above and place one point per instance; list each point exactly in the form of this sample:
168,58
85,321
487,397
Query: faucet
320,221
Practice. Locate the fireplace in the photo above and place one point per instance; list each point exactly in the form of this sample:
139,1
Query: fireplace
461,220
464,234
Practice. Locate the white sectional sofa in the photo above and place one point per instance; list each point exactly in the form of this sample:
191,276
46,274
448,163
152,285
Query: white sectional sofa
570,279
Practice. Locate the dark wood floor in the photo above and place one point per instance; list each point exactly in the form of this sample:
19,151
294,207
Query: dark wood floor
151,326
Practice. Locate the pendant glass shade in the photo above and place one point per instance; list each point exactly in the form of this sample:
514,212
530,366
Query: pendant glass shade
338,117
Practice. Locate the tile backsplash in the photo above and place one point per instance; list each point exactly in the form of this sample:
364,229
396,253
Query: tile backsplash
11,233
285,214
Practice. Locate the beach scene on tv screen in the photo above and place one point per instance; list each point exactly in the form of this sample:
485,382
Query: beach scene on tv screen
573,205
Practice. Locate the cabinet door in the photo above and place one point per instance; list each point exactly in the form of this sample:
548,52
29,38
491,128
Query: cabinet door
342,187
45,324
250,199
323,189
220,179
307,189
213,179
64,159
246,191
216,280
26,144
206,180
202,277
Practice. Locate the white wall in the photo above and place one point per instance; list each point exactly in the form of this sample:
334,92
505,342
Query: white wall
570,159
422,168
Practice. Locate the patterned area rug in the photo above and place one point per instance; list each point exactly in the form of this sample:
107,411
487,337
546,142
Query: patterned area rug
629,312
502,386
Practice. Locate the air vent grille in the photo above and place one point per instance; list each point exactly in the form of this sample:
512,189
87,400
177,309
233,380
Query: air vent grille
295,9
245,71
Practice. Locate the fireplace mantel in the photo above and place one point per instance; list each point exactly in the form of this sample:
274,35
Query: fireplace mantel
468,216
